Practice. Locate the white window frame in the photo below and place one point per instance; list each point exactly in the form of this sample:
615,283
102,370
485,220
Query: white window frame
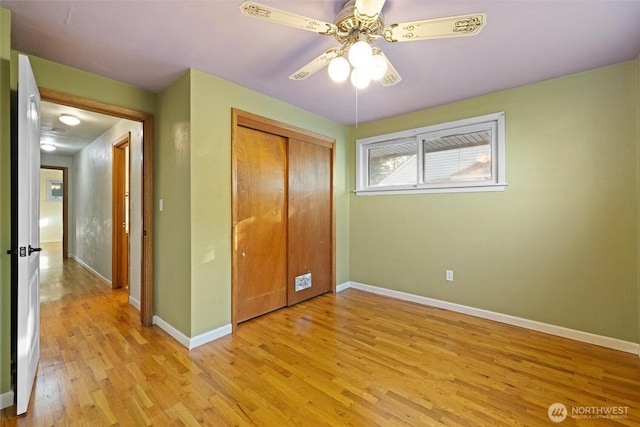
495,121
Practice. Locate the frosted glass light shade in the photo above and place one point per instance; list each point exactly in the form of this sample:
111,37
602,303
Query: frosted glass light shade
360,53
68,119
48,147
339,69
360,78
377,67
369,8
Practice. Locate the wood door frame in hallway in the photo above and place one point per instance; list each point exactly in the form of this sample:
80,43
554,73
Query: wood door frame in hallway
65,206
147,120
120,206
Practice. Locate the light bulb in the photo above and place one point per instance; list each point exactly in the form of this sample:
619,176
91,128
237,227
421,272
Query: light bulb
48,147
377,67
339,69
360,53
360,78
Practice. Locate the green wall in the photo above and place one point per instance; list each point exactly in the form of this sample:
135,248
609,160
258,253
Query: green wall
5,202
172,244
73,81
211,101
559,245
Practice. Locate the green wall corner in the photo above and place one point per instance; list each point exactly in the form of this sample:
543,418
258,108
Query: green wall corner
172,228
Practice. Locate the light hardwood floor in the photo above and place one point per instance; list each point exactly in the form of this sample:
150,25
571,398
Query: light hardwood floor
351,359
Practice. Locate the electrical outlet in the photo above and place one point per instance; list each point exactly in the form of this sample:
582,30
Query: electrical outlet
449,275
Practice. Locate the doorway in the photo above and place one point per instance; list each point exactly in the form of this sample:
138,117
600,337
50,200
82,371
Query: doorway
120,213
147,120
54,206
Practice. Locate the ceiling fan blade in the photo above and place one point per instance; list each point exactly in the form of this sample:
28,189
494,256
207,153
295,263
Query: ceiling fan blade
316,65
391,77
278,16
368,10
452,26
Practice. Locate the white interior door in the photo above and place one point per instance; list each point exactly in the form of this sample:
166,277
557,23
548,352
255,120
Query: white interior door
28,234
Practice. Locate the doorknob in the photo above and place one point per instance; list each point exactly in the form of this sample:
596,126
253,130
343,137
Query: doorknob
32,250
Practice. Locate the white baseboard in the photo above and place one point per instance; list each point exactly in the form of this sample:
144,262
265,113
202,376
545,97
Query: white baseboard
213,335
91,270
193,342
176,334
134,302
6,399
613,343
341,287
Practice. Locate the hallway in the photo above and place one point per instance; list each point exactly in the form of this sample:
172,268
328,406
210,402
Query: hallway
62,281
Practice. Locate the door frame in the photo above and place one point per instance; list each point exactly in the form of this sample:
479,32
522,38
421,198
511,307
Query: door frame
65,206
147,120
120,166
240,118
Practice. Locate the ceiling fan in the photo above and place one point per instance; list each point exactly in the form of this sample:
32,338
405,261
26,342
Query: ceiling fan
356,27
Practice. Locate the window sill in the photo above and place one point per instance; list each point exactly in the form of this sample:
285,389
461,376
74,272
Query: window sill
433,190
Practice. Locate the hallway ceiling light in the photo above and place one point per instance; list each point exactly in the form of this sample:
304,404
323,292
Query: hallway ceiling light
70,120
48,147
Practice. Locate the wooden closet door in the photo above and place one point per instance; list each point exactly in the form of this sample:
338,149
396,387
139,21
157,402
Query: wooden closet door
260,228
310,216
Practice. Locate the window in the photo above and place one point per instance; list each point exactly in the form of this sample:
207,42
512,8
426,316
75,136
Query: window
54,190
465,155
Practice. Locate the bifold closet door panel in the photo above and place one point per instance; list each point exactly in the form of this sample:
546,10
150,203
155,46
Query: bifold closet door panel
260,230
310,216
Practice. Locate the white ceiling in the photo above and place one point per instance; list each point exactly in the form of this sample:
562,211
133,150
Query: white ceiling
150,43
71,139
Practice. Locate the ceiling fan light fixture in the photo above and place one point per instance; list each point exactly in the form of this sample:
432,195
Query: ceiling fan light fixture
68,119
339,69
360,53
48,147
360,78
358,24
